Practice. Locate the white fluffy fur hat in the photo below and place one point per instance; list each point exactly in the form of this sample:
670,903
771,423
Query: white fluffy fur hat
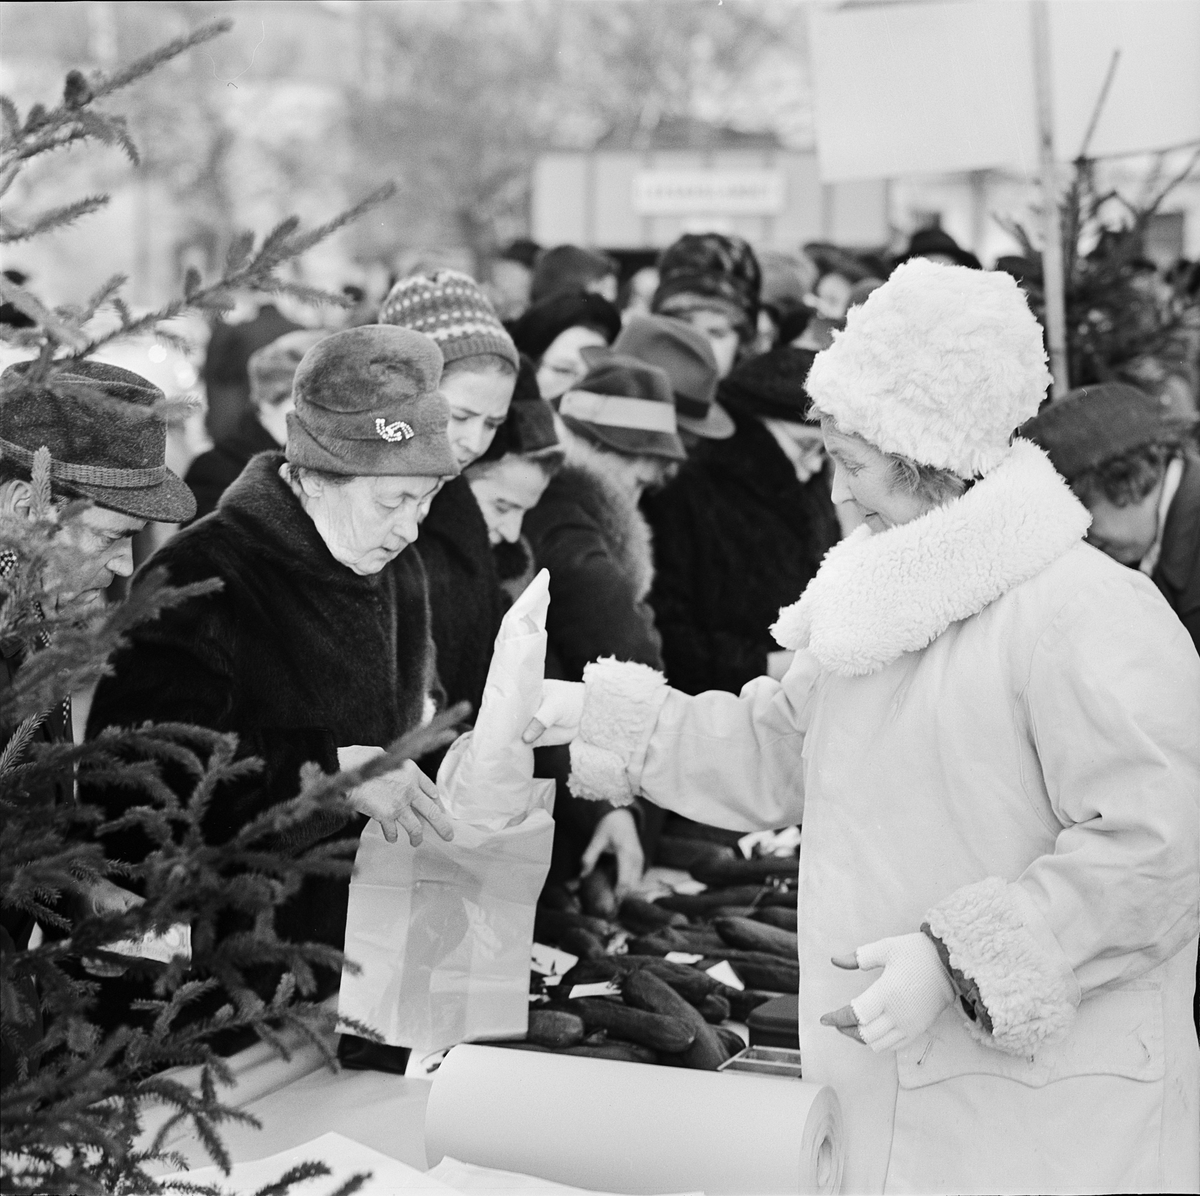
940,364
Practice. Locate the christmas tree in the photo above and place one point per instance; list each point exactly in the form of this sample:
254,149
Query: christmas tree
71,1112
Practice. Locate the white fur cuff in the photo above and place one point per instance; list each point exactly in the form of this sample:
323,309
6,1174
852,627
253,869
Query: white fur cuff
620,706
1029,995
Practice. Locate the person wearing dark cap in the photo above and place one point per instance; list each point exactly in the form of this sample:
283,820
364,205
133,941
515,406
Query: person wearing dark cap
1133,462
555,332
713,282
511,477
262,427
742,530
621,436
106,436
571,268
317,646
687,358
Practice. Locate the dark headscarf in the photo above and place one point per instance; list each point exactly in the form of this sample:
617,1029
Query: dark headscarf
544,322
771,385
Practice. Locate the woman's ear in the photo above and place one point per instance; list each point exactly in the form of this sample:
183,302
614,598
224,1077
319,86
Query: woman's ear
16,499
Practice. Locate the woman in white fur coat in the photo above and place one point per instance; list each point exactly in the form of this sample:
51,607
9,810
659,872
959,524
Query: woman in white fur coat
990,734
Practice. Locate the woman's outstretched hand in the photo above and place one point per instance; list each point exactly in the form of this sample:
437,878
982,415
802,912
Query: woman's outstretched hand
557,718
906,999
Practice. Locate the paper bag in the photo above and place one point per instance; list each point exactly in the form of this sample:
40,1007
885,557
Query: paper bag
442,932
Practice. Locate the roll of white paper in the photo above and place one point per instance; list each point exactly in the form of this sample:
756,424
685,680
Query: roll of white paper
632,1127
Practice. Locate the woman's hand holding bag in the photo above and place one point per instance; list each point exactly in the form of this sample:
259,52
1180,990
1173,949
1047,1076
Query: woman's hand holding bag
558,717
403,798
904,1002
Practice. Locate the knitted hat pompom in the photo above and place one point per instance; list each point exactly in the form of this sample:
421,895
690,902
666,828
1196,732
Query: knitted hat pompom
940,364
449,307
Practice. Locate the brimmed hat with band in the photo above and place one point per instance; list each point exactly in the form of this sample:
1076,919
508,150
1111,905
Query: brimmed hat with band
106,435
367,403
626,405
688,360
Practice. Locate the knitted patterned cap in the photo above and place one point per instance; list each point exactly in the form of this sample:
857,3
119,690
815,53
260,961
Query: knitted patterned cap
449,307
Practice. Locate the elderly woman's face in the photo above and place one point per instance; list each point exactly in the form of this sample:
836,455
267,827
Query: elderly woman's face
505,490
562,364
479,402
367,522
863,477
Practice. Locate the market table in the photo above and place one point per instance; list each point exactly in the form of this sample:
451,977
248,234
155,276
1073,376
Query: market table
300,1099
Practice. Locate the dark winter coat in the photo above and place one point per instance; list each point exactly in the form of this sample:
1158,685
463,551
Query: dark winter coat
466,602
596,545
1178,572
736,536
297,655
211,473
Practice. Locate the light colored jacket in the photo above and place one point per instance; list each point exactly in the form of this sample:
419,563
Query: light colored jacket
992,728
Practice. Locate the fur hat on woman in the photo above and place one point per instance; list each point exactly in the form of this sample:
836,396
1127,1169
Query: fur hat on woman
450,308
940,364
709,270
367,403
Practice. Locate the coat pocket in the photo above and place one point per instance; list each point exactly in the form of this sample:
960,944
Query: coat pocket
1083,1115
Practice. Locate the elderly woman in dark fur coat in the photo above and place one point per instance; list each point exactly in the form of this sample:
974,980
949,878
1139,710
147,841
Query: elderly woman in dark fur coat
317,647
741,531
621,438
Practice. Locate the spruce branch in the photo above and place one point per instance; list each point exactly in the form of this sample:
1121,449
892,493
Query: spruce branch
55,218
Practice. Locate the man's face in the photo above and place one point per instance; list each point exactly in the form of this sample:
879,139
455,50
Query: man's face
103,544
1125,533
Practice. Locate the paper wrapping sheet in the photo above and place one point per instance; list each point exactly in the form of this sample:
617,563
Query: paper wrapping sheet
631,1127
486,776
442,932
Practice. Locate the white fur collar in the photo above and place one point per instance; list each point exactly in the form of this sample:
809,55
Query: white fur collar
877,596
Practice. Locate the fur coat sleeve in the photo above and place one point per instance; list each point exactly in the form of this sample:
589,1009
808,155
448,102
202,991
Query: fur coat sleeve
180,668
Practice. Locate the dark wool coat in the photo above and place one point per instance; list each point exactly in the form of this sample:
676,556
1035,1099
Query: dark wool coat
1178,570
296,654
465,598
736,536
211,473
596,545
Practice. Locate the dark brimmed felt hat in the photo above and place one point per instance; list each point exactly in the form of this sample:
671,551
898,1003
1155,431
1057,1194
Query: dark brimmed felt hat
927,242
771,385
528,429
544,322
106,433
1093,424
688,359
625,405
367,404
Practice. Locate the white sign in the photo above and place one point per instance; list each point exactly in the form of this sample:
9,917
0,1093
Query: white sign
709,192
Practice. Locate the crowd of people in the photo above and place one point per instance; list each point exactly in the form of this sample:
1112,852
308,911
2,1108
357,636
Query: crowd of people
687,452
